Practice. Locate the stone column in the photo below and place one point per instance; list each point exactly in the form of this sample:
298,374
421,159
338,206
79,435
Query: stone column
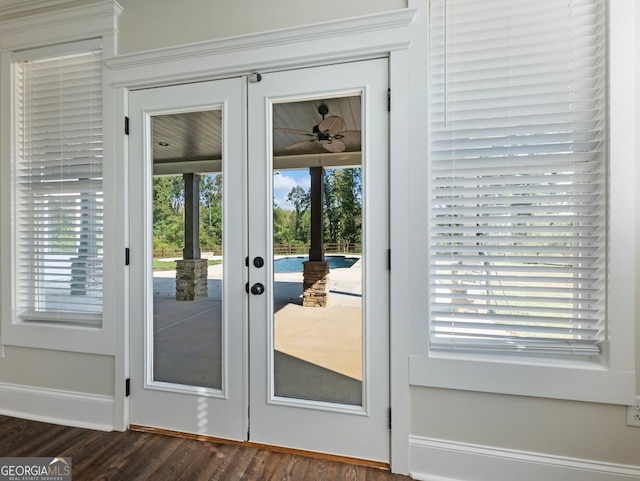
315,286
191,279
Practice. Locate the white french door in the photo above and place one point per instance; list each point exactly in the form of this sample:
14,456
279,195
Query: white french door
270,354
319,376
187,358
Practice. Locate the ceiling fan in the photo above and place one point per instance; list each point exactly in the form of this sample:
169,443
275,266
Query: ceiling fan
327,133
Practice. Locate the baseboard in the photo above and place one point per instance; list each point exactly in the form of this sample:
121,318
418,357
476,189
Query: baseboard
68,408
438,460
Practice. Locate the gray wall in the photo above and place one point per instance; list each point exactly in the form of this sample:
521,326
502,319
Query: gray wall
563,428
150,24
67,371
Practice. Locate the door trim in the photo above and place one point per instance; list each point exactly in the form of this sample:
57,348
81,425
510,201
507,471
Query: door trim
387,34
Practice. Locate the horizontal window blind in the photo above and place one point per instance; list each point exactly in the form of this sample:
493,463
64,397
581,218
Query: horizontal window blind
58,172
517,126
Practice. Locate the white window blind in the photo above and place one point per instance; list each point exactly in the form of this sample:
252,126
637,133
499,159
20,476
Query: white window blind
58,188
518,191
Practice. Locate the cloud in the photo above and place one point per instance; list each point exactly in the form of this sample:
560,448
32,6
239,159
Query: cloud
305,182
282,185
283,182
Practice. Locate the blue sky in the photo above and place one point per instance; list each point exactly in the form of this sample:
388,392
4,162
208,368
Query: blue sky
284,181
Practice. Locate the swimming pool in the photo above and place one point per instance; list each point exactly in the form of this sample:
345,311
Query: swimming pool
294,264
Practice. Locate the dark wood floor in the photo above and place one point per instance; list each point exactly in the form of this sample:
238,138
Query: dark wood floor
129,456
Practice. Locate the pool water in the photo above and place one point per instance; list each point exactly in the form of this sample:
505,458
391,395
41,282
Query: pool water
294,264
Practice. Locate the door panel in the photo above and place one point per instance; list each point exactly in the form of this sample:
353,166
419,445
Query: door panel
319,338
187,323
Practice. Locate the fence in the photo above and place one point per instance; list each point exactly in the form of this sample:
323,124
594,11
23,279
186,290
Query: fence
278,249
329,248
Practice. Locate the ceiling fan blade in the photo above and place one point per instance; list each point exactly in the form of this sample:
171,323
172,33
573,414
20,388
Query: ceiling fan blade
333,145
303,146
295,131
331,125
349,136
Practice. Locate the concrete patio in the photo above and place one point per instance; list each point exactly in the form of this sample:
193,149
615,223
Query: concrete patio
318,350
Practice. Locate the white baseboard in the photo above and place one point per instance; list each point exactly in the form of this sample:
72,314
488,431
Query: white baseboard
438,460
68,408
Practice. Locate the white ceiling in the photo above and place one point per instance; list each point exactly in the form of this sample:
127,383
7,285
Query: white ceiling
195,142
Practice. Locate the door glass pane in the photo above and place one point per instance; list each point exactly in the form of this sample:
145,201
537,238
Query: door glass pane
318,258
187,249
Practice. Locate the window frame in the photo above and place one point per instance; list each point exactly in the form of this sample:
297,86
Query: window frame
49,33
611,378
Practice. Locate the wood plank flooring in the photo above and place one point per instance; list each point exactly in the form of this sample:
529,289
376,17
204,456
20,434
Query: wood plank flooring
133,456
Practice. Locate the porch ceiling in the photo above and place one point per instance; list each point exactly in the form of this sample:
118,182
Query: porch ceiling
192,141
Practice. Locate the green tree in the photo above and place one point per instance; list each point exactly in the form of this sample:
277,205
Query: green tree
167,211
211,196
330,207
348,190
343,205
283,226
300,200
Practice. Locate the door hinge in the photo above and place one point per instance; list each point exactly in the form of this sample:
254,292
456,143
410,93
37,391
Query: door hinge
127,387
254,77
388,259
126,256
388,100
389,418
126,126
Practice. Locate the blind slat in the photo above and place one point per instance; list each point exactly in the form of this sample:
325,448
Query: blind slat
59,238
517,130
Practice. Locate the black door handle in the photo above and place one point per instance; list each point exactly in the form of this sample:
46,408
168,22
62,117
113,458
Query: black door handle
257,289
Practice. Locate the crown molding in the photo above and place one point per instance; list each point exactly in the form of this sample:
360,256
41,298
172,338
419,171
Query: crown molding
19,7
66,23
367,36
304,33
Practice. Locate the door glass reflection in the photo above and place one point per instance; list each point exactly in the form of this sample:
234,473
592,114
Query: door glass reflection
187,249
317,239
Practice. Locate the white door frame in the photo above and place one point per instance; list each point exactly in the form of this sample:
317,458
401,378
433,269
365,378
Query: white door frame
386,34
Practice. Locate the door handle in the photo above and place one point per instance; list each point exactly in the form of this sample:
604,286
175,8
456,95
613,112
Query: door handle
257,289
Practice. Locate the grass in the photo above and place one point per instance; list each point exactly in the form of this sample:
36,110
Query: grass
159,265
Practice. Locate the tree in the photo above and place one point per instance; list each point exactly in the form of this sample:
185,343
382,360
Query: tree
211,197
300,200
283,226
348,187
343,205
167,210
330,207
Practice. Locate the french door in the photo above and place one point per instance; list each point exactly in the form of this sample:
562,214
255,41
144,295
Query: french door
276,332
